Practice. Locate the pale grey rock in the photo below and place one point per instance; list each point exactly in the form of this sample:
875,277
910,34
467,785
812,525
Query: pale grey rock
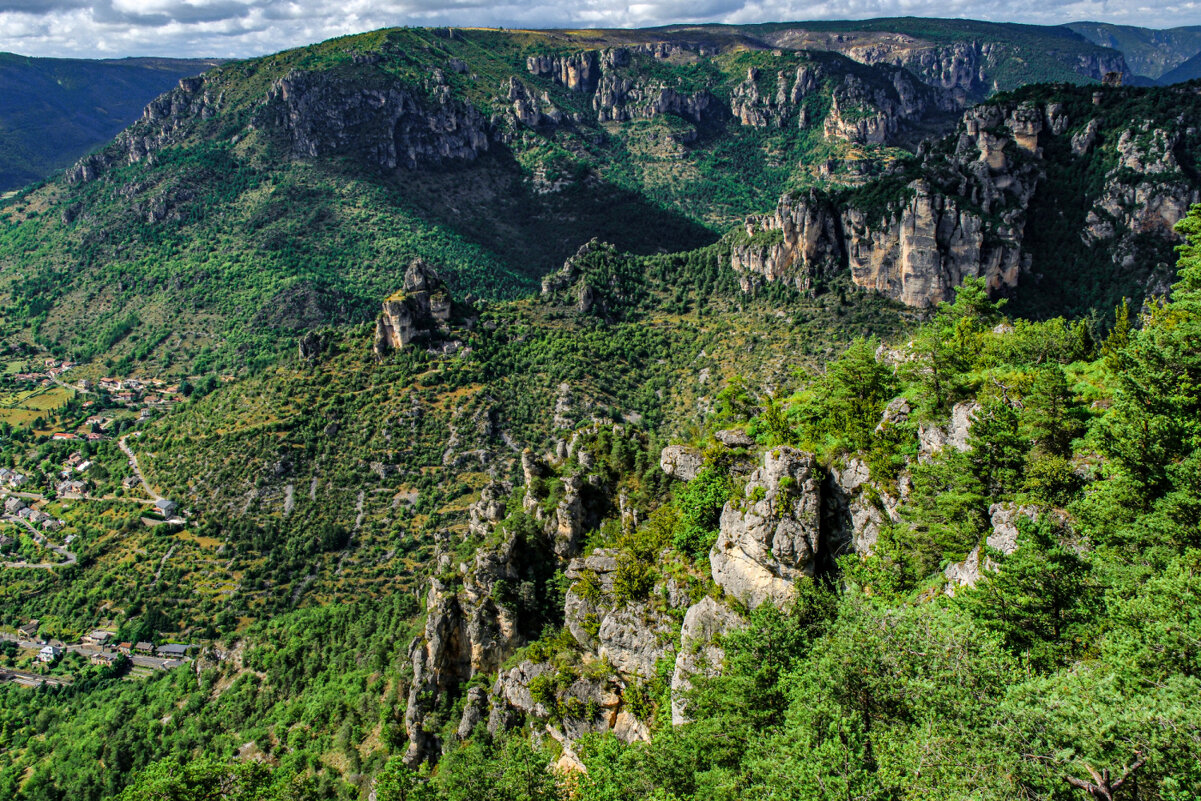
1004,538
704,624
933,438
734,438
770,537
681,461
475,710
635,637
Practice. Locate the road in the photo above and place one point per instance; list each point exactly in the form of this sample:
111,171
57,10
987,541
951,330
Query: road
31,679
137,471
69,557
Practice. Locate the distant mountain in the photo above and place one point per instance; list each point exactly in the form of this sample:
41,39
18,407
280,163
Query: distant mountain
53,110
1149,52
969,57
1187,71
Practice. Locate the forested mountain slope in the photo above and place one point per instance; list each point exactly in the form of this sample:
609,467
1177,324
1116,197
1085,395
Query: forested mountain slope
963,543
53,110
605,414
462,147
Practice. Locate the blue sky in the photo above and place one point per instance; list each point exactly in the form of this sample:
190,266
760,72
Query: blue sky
116,28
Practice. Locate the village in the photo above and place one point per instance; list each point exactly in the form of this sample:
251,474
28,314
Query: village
34,661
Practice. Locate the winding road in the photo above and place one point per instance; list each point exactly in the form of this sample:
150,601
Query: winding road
133,462
69,557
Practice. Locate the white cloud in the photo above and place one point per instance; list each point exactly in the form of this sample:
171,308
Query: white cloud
106,28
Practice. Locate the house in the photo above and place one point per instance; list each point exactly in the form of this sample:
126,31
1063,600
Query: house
129,482
173,650
105,658
125,648
97,637
62,435
55,525
17,480
72,488
143,648
93,437
6,542
166,508
49,653
75,458
83,466
13,505
37,516
30,629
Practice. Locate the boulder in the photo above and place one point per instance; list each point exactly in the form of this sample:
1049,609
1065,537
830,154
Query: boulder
734,438
681,461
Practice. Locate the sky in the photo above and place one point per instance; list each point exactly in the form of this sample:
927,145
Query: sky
238,28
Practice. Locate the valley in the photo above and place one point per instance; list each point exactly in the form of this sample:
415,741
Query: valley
795,411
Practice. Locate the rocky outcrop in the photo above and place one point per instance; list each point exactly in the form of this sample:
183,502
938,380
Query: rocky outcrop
770,537
681,461
1004,538
621,98
578,72
700,650
932,437
858,508
967,70
422,308
166,120
807,247
381,123
924,242
529,109
1146,192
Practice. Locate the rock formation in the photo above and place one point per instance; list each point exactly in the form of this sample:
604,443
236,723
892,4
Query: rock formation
700,650
1004,538
423,307
963,210
388,126
166,120
770,537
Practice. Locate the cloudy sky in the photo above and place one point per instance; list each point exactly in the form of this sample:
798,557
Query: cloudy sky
115,28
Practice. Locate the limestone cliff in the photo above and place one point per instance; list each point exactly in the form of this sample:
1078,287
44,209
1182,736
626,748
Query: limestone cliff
386,125
961,208
166,120
969,69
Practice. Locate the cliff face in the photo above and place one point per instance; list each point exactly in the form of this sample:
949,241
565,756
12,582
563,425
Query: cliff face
968,69
420,311
860,111
962,210
387,127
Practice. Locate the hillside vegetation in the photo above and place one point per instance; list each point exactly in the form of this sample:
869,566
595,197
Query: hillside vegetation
699,414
